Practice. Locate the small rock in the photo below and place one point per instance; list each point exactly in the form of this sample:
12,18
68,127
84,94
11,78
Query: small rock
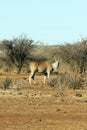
79,95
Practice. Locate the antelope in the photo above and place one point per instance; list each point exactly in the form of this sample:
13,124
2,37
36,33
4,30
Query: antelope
44,67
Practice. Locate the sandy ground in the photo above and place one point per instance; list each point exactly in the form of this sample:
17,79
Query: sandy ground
41,107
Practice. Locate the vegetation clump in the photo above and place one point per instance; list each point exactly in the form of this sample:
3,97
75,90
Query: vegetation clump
65,80
6,83
18,52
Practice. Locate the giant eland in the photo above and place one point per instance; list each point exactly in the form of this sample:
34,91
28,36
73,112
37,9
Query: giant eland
43,67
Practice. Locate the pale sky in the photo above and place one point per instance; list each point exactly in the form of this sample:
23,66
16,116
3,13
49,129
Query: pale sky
48,21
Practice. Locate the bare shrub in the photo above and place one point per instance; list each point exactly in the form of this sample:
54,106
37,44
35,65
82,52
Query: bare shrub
66,80
17,51
17,85
75,55
43,52
6,83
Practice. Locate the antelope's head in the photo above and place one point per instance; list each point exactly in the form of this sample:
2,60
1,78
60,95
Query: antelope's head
55,64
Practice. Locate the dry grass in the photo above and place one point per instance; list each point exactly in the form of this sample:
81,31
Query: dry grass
41,107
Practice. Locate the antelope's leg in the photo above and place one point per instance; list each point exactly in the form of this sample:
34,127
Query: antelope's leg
45,76
31,77
30,80
44,79
48,75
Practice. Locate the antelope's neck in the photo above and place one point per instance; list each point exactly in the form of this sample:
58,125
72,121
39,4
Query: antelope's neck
55,65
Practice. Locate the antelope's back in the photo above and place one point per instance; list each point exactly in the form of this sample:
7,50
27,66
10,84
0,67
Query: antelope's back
44,66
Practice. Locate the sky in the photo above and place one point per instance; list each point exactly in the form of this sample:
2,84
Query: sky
48,21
